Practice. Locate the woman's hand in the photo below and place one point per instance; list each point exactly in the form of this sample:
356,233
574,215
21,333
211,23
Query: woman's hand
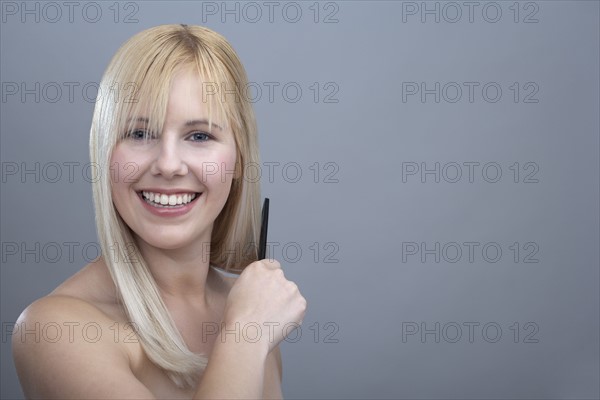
263,300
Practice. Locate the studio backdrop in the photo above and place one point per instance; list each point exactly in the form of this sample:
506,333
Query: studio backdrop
433,170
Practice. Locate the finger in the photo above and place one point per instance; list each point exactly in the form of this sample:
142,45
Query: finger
272,264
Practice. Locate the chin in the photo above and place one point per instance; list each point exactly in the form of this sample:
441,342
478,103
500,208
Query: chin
168,243
168,239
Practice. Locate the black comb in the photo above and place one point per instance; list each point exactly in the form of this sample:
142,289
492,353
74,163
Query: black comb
262,247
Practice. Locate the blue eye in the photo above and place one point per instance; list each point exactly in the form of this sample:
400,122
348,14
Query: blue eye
139,134
200,136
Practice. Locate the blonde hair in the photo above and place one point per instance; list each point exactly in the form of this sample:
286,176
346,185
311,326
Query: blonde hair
143,68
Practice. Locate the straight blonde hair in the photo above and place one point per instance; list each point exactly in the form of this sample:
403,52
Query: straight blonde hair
137,80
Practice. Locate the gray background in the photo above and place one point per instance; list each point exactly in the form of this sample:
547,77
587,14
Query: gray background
360,211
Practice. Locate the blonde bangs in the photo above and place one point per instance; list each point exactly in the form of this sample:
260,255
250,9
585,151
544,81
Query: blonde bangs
142,87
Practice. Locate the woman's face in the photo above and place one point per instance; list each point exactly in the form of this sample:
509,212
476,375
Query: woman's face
170,186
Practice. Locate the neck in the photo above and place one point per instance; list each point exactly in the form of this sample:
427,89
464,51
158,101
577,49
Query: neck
180,274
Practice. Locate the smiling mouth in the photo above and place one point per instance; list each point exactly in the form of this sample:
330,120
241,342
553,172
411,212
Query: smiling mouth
161,200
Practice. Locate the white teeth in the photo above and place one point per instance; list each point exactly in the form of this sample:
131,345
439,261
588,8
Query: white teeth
168,200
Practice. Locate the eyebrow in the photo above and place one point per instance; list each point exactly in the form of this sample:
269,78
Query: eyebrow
193,122
201,122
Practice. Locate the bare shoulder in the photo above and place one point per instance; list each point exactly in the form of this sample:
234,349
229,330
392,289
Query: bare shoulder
64,347
86,297
54,319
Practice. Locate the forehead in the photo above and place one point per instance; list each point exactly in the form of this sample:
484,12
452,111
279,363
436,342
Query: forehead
189,97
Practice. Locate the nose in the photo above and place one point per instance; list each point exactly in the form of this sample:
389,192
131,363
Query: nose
168,162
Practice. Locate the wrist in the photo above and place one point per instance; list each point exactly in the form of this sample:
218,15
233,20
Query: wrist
246,338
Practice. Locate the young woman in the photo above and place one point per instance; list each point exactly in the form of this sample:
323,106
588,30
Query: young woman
156,316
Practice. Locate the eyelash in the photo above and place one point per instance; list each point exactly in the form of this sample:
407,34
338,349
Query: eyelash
146,135
149,135
207,135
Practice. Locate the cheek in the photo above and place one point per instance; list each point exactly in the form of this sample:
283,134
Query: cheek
219,173
115,173
124,168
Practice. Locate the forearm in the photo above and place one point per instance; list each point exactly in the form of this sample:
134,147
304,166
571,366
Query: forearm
235,371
